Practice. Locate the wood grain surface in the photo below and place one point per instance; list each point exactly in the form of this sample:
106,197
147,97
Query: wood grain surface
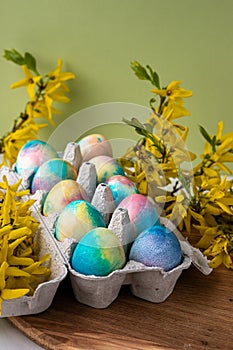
197,315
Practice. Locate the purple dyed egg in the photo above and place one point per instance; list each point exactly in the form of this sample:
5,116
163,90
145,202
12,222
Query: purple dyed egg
157,246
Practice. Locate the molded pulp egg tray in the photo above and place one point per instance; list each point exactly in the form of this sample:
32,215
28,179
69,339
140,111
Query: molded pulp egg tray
149,283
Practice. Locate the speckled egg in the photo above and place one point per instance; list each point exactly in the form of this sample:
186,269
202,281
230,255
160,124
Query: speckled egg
142,211
98,253
121,187
50,173
61,194
106,167
94,145
76,219
32,155
157,246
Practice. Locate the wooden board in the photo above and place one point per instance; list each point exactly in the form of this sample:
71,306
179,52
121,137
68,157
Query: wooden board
197,315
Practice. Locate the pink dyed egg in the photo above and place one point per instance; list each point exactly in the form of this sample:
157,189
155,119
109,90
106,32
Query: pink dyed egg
142,211
94,145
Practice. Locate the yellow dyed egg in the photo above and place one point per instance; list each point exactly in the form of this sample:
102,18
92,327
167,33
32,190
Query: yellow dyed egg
76,219
62,194
106,167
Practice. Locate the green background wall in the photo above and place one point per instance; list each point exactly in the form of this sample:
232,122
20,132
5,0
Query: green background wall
188,40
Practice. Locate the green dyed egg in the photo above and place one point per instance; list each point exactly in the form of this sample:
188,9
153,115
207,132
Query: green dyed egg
98,253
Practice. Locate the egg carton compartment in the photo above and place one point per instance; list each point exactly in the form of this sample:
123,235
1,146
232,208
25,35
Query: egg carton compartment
149,283
45,292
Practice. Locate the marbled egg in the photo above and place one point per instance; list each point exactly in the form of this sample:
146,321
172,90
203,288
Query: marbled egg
50,173
32,155
121,187
98,253
94,145
157,246
106,167
76,219
61,194
142,211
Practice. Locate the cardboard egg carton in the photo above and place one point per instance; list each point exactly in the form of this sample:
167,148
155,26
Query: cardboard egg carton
149,283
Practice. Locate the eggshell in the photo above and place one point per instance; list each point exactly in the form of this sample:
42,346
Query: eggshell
121,187
142,211
94,145
98,253
50,173
62,194
32,155
157,246
76,219
106,167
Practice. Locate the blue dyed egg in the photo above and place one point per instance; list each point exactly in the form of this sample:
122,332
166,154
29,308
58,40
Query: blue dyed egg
32,155
50,173
157,246
61,194
121,187
94,145
76,219
106,167
142,211
98,253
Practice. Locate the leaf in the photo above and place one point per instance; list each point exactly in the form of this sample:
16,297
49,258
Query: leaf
142,130
139,71
213,144
205,134
154,77
30,61
14,56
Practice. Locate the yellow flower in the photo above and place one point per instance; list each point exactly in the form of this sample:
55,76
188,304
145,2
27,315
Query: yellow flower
40,110
59,76
174,110
30,81
14,141
173,91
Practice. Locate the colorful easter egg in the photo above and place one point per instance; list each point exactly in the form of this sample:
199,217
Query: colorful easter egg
157,246
32,155
142,211
50,173
98,253
106,167
121,187
61,194
94,145
76,219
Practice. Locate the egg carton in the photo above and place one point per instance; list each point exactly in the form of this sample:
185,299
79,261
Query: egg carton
149,283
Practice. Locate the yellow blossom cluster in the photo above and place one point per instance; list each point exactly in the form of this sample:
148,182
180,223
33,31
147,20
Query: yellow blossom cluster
21,270
42,91
196,199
